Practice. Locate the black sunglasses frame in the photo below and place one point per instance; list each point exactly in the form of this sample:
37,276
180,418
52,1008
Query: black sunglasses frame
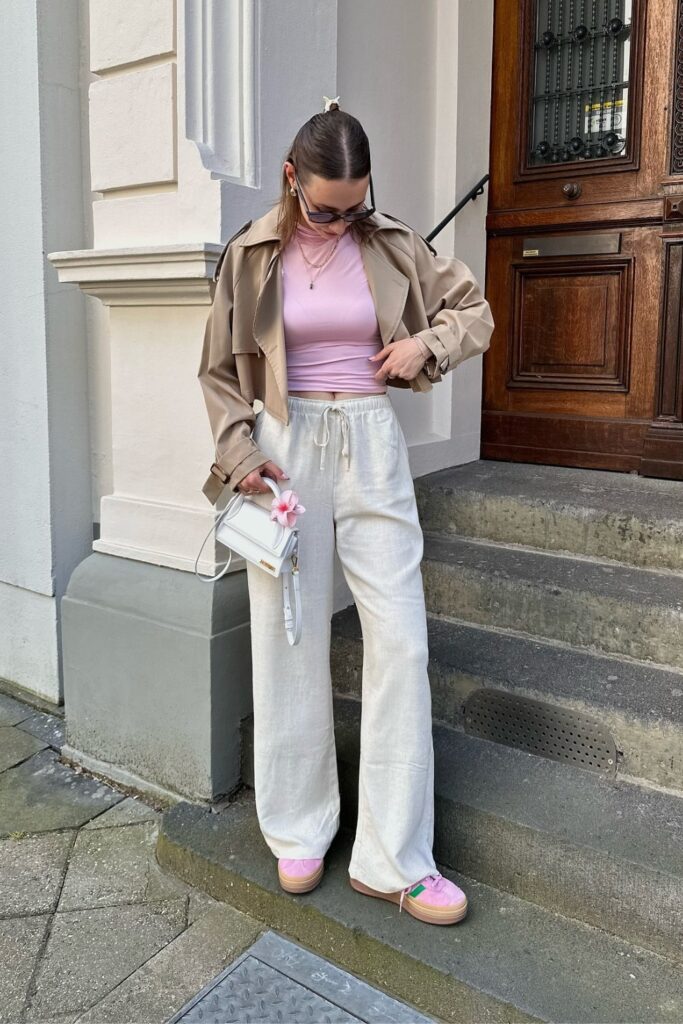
326,217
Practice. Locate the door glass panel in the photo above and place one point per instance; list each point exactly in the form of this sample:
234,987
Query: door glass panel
581,77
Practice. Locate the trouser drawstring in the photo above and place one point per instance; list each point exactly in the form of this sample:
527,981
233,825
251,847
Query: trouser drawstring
345,434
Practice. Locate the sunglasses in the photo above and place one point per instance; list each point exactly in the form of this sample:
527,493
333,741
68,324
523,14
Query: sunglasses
327,216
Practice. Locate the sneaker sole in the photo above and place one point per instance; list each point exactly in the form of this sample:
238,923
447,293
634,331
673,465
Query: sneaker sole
437,915
300,883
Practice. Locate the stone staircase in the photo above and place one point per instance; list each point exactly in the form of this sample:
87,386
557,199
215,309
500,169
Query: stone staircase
565,586
546,585
573,580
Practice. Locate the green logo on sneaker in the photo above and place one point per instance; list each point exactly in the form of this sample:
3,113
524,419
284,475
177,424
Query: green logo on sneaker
417,890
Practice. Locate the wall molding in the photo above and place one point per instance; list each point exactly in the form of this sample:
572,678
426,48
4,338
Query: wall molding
222,86
156,275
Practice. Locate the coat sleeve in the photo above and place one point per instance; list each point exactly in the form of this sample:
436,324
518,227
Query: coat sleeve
231,417
459,316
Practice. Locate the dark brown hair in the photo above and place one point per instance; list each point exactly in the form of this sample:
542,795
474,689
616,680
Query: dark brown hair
333,145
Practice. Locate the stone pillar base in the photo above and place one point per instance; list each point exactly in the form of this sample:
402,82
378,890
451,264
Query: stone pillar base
157,675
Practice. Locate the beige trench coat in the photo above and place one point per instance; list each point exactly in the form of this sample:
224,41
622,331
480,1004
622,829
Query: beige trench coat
243,357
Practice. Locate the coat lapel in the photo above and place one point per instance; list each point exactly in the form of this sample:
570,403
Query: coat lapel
269,332
389,290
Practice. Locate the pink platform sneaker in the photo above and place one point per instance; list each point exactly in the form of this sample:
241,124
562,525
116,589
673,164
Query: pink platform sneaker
300,874
433,899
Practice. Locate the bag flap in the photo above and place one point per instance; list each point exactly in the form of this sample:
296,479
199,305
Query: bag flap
253,522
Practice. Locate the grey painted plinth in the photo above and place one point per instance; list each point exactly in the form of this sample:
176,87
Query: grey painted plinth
157,675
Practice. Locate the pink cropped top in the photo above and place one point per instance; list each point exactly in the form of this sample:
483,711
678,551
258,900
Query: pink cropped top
330,329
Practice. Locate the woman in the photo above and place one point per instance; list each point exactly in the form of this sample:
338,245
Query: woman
340,288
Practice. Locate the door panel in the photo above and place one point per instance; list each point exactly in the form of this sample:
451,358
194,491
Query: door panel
570,326
578,216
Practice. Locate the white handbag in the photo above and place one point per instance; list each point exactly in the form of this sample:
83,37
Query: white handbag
245,526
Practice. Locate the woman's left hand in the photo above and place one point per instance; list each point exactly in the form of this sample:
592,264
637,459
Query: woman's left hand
403,358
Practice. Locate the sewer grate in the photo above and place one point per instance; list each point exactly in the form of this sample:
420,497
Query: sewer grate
278,980
253,991
540,728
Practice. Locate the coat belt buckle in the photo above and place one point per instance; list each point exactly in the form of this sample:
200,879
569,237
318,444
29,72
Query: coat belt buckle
220,473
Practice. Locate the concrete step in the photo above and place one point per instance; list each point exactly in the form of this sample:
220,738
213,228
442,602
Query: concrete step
641,704
508,960
616,609
602,851
620,516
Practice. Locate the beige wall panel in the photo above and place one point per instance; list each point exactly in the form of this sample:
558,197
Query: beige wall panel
126,31
132,129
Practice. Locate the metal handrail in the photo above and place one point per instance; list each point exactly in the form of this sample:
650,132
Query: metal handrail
472,194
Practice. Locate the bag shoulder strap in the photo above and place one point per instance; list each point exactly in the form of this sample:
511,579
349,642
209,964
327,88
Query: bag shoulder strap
292,613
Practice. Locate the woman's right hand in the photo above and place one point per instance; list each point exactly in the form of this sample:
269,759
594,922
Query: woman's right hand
252,482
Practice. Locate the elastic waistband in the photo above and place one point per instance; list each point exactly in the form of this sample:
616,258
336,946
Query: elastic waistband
297,404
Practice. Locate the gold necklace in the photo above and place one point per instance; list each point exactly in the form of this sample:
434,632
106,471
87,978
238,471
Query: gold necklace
310,262
318,265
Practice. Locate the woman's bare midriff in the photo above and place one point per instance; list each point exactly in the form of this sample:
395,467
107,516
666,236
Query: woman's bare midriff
334,395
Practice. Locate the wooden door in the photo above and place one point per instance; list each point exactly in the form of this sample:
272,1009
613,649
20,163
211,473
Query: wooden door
585,236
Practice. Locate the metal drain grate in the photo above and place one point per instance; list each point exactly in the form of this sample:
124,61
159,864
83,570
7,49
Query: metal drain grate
256,992
540,728
276,980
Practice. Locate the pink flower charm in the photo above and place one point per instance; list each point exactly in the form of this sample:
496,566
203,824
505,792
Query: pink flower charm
286,508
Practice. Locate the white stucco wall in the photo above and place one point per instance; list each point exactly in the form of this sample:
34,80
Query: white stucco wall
45,506
387,79
417,75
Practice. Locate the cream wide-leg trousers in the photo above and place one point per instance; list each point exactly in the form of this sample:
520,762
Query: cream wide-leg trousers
347,461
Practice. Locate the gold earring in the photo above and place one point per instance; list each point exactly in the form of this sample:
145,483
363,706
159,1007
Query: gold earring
292,190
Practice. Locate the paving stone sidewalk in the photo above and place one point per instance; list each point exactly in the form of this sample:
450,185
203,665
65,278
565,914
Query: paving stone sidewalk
93,931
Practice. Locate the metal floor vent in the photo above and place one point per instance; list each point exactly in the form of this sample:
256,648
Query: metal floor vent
276,980
540,728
